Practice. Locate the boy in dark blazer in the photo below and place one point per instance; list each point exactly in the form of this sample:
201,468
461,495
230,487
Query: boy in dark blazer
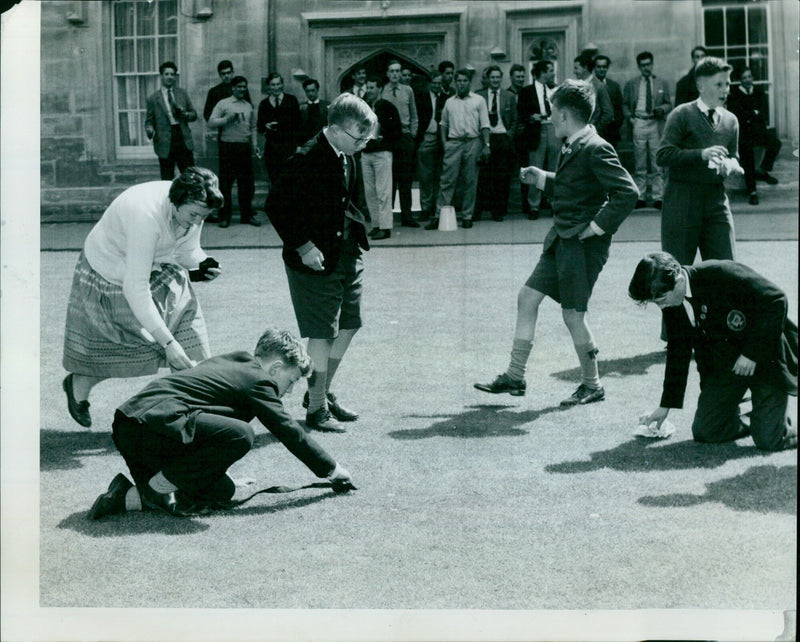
169,112
591,195
182,432
736,323
316,207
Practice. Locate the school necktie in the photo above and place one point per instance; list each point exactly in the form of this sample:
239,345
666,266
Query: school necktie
394,91
648,97
710,116
172,104
493,110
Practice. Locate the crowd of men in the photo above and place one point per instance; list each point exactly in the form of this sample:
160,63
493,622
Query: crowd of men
463,147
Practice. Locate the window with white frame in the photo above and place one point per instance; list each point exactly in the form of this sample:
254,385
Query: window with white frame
144,34
739,33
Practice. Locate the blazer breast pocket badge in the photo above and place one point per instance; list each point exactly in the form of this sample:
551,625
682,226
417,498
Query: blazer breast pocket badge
736,321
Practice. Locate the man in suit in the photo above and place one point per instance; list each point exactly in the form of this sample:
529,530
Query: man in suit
359,87
748,103
278,125
686,89
222,90
591,194
316,206
603,114
169,112
313,111
494,177
601,65
536,139
429,145
516,77
646,103
182,432
735,321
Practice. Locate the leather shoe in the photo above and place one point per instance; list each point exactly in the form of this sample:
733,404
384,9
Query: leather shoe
337,410
166,502
466,224
409,222
433,225
112,502
78,410
503,383
753,200
381,235
640,204
584,395
767,178
322,420
252,221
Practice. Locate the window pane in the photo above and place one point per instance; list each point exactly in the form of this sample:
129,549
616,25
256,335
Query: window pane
167,16
127,133
736,52
167,49
757,25
734,27
123,19
124,56
142,134
760,68
147,86
738,64
146,55
714,28
719,52
126,92
145,19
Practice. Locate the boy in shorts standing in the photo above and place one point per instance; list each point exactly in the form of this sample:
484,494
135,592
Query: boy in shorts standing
591,194
316,206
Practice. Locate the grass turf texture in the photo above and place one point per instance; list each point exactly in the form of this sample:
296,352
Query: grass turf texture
465,500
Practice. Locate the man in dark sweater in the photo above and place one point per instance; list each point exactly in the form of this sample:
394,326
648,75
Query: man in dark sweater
222,90
181,433
735,322
686,89
699,149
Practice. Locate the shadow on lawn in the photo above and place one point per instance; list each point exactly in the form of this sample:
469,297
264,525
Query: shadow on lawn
643,455
623,367
761,489
485,420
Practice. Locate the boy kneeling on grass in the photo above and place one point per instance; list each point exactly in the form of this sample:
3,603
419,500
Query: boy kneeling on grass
182,432
736,323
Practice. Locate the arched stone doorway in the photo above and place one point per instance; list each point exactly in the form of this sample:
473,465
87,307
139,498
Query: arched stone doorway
377,63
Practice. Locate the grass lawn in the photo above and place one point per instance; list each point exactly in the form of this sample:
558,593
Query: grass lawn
465,500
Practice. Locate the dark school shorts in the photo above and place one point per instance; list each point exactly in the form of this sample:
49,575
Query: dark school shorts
568,270
324,303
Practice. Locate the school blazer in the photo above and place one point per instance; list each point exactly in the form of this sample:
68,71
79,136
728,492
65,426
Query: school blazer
308,203
508,108
589,184
738,312
157,118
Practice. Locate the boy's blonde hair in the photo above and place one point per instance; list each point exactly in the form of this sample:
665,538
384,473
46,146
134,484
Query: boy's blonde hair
285,346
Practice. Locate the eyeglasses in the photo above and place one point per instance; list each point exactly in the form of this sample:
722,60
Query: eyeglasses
357,139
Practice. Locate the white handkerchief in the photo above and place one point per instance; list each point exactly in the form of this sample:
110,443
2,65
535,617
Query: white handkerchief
652,432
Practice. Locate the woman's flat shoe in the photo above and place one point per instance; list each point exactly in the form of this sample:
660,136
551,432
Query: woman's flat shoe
79,410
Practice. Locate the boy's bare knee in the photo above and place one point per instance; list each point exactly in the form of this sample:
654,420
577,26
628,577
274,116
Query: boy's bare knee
572,318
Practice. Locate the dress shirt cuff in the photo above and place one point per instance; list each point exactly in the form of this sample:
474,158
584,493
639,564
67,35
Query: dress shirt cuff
305,248
540,181
335,472
596,228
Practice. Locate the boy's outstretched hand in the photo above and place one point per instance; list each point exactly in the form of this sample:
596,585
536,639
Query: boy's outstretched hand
341,481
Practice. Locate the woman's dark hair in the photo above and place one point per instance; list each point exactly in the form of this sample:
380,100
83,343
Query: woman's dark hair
196,184
655,275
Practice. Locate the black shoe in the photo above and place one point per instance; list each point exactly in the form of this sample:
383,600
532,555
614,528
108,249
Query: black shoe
339,412
251,221
409,222
503,383
753,200
533,215
639,204
767,178
466,224
78,410
499,219
322,420
112,502
168,503
425,215
433,225
224,223
658,204
584,395
383,234
374,232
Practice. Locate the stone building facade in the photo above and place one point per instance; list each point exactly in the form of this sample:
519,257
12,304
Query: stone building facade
100,59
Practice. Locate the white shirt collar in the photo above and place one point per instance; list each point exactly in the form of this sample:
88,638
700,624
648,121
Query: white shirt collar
703,107
577,134
744,91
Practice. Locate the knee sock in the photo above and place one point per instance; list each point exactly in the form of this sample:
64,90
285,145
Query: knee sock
520,351
333,365
161,484
587,355
316,390
132,499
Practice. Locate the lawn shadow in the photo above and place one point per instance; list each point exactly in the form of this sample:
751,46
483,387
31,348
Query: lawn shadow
132,523
62,450
262,509
485,420
761,489
622,367
643,455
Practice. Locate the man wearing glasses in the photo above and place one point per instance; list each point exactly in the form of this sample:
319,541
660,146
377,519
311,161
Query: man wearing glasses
316,206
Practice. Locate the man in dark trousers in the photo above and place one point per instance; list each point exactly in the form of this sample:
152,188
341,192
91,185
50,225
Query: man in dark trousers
222,90
601,65
169,112
316,206
735,321
182,432
278,125
429,151
748,102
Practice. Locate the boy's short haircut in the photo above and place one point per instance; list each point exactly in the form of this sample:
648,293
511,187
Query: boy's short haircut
540,67
576,97
394,61
272,76
285,346
374,78
463,72
492,68
645,55
238,79
224,64
599,57
585,60
310,81
655,275
349,109
699,48
710,66
515,68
